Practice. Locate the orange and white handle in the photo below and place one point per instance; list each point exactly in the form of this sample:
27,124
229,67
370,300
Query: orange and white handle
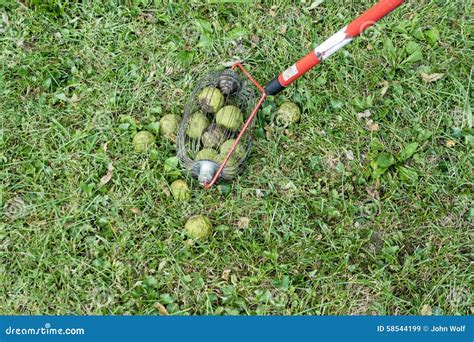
331,45
323,51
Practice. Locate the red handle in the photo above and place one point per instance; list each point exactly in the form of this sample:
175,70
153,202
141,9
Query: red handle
326,49
331,45
371,16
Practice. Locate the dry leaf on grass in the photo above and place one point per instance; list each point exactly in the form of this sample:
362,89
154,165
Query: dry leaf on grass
372,126
255,39
74,98
350,155
385,87
426,310
108,176
225,274
272,11
289,186
364,115
148,17
289,133
269,130
450,143
314,5
228,64
165,188
161,309
373,191
243,222
136,211
429,78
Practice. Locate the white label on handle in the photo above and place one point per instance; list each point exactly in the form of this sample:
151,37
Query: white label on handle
332,44
290,72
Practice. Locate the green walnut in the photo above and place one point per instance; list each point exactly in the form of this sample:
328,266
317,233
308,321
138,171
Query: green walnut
287,114
197,125
198,227
232,162
142,141
212,137
210,99
206,154
230,117
169,125
239,151
180,190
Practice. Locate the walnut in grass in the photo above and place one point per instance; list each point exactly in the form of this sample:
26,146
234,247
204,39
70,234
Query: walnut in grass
213,136
142,141
198,227
206,154
197,125
169,125
210,100
230,117
287,114
180,190
227,145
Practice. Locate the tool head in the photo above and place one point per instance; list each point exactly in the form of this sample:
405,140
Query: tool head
213,118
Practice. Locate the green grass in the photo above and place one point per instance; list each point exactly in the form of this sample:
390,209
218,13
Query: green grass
334,232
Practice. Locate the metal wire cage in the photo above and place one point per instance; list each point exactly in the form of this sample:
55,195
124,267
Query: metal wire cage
204,135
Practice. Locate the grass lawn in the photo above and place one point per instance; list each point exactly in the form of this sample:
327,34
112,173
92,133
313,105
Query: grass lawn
363,207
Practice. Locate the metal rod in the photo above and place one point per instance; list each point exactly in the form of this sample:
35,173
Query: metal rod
237,140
